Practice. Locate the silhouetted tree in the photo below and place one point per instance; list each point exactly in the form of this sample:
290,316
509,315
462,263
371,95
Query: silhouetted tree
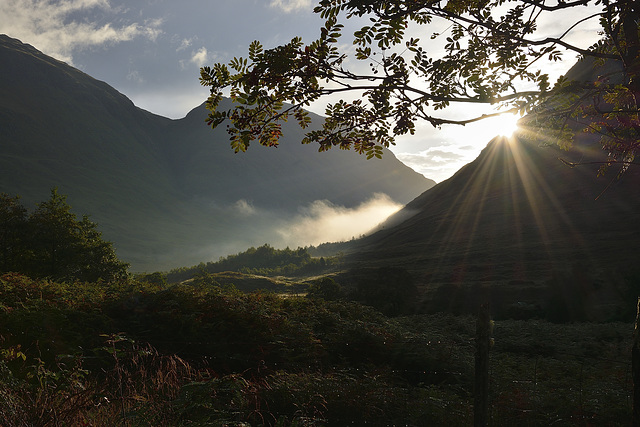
51,242
13,225
487,55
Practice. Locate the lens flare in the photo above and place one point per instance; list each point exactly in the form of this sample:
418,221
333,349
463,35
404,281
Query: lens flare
504,125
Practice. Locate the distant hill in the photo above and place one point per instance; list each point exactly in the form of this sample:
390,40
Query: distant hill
167,192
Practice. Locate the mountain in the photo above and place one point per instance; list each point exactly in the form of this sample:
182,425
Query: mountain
518,226
167,192
514,212
288,176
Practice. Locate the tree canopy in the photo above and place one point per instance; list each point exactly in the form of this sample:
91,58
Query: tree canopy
489,52
51,242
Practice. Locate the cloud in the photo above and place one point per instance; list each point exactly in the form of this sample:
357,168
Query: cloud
289,6
60,28
184,44
439,162
323,221
434,156
243,208
134,76
240,225
200,57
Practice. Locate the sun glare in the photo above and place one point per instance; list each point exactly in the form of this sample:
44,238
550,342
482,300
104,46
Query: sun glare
505,125
483,131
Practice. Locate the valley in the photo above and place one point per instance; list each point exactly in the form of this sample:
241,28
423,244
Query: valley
170,193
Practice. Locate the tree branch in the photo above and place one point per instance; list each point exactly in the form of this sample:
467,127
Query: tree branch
540,4
549,40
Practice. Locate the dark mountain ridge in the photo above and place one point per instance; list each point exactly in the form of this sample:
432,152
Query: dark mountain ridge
512,224
522,229
310,174
164,191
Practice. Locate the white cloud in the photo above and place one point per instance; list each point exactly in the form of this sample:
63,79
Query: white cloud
184,44
200,57
55,28
439,162
289,6
134,76
244,208
324,222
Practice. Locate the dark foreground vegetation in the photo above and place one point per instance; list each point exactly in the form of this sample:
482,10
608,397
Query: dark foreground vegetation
136,353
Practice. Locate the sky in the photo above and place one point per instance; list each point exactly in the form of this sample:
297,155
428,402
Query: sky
152,50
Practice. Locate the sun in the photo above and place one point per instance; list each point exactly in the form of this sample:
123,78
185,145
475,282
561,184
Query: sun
506,124
483,131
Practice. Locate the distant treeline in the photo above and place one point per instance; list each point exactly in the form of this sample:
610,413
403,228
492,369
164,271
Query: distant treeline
264,260
331,248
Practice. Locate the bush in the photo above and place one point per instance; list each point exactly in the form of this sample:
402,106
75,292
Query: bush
389,290
325,288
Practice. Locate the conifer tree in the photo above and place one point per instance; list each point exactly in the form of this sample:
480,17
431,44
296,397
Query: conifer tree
51,242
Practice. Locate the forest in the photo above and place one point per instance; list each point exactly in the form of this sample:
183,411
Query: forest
264,260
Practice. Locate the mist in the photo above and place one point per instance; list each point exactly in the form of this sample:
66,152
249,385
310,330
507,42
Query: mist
323,221
247,225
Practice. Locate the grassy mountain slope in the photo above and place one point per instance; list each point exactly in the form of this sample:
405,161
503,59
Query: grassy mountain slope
63,128
520,215
516,216
164,191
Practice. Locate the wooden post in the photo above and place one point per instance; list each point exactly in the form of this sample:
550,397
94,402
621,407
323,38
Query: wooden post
635,368
481,382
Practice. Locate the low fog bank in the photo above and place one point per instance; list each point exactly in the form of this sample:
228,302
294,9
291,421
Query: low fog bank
241,225
323,221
